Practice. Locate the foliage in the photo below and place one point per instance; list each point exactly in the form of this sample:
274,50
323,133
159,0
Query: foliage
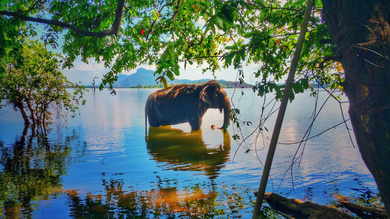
36,84
265,33
167,33
224,84
152,32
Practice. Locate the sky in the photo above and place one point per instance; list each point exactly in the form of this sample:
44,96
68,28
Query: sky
84,73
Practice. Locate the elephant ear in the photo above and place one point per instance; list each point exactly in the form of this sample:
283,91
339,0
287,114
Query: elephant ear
207,93
205,98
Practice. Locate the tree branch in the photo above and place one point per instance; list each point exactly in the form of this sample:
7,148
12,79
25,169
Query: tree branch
114,30
363,211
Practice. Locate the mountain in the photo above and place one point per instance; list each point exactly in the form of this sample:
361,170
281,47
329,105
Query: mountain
142,77
146,77
121,77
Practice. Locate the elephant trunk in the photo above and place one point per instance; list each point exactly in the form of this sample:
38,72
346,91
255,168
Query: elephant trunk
226,112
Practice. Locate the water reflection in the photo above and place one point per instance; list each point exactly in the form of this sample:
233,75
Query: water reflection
114,128
31,170
165,201
178,150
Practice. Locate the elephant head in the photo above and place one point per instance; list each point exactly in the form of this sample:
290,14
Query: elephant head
186,103
213,96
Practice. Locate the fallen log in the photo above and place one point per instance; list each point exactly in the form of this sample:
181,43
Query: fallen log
303,209
363,211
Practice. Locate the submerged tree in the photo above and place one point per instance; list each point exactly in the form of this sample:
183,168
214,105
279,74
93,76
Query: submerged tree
347,48
36,86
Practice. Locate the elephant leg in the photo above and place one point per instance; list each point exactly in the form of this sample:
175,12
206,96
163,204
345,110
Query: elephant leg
195,123
153,121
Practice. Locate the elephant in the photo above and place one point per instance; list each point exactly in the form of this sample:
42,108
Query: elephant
186,103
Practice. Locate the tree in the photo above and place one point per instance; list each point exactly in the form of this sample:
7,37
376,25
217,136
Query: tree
36,85
365,58
347,48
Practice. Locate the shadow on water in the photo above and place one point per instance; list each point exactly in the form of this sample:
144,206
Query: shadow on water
31,170
178,150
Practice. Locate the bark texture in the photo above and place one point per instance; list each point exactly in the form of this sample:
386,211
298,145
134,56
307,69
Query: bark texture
20,106
360,31
301,209
363,211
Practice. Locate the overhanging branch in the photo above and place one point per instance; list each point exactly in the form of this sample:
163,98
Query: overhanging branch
114,30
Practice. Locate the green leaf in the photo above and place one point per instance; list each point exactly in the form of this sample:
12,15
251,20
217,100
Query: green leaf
305,83
170,75
261,90
229,58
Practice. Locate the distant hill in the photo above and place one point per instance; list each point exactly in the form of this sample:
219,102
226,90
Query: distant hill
146,77
121,77
142,77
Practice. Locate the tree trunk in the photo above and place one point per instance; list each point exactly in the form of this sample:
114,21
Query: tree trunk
360,31
303,209
31,112
19,105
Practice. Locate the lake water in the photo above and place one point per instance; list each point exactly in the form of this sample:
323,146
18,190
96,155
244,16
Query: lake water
101,164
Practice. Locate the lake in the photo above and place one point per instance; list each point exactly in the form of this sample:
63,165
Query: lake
101,164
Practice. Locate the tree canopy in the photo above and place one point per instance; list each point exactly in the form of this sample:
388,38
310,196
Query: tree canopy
166,33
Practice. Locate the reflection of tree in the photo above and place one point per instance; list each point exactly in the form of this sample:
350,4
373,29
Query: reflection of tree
31,170
187,151
164,201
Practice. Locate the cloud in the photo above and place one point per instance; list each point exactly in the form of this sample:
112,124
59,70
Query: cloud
91,66
83,72
194,72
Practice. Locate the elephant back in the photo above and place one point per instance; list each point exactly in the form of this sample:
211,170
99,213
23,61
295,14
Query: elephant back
180,93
